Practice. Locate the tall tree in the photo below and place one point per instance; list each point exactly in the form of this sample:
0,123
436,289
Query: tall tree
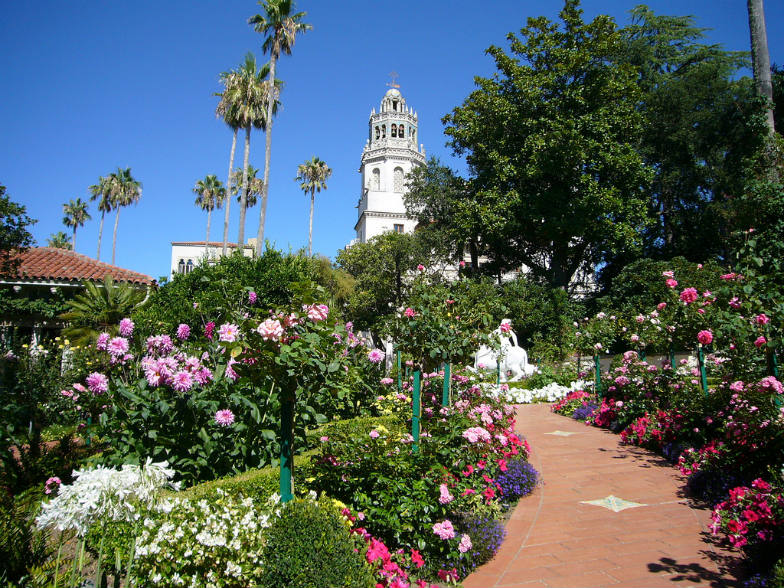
253,189
312,176
760,56
550,141
444,203
280,28
227,109
76,215
59,240
102,191
125,190
210,194
14,234
698,131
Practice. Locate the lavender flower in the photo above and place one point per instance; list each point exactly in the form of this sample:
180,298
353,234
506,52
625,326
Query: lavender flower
519,479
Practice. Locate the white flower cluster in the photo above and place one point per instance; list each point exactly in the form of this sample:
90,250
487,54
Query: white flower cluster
216,542
550,393
105,493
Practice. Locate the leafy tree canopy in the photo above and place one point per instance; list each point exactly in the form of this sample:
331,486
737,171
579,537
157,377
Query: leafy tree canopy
14,233
551,140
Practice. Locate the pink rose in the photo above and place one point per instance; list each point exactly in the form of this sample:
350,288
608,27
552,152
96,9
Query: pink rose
689,295
705,337
760,341
761,319
671,283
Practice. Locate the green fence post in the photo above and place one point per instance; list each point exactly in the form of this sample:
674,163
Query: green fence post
498,372
773,364
579,358
447,384
703,373
417,413
672,356
87,431
642,353
598,375
286,445
399,374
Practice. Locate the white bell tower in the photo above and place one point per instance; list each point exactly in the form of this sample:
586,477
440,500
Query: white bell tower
389,154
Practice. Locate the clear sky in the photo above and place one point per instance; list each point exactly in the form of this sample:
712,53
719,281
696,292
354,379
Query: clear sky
88,86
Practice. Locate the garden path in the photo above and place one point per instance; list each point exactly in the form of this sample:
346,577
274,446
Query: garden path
555,538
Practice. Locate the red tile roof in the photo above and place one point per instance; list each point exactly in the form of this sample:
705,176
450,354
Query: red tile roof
39,264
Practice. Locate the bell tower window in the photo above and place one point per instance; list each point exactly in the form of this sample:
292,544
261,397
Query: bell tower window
394,105
400,132
393,131
375,184
378,133
383,131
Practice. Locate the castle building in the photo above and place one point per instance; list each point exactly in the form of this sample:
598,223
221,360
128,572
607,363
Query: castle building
389,154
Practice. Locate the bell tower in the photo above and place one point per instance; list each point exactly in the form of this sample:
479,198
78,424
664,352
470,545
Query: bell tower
390,153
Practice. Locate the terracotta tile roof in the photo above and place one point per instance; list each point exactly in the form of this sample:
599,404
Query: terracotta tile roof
50,264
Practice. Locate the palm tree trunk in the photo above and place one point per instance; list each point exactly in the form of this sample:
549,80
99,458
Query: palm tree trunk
100,236
73,240
207,238
244,192
228,193
114,240
310,229
267,147
760,56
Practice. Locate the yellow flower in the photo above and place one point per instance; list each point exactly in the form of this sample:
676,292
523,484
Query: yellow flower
67,342
57,338
24,346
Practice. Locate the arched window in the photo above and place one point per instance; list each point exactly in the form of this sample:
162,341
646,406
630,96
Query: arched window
394,105
412,134
393,131
400,132
383,131
398,179
189,266
181,267
378,133
376,183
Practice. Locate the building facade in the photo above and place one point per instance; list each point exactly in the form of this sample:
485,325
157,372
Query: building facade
390,153
186,255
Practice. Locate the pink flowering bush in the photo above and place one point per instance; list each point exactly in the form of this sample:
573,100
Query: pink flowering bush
752,516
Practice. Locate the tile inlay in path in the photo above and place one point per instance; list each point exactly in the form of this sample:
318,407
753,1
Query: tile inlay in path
557,537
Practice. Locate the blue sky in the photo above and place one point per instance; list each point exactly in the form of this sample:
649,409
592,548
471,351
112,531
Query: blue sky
89,86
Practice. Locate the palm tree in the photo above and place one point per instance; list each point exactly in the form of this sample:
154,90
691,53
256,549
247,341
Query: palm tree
103,193
210,194
58,240
280,28
254,186
76,215
227,110
312,176
760,56
125,190
249,97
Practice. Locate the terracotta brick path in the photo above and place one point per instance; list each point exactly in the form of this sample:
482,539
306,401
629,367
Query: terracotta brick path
554,539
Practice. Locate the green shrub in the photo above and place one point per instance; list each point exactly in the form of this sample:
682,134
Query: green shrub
309,546
352,428
21,546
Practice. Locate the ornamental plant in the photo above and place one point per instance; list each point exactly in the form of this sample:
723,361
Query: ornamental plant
752,516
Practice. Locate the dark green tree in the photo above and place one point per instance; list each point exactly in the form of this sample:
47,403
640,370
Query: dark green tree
551,142
14,233
381,268
700,129
446,207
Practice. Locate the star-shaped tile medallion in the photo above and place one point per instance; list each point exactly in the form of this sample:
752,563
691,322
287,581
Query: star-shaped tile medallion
561,433
613,503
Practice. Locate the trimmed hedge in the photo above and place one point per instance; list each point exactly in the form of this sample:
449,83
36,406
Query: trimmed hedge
356,427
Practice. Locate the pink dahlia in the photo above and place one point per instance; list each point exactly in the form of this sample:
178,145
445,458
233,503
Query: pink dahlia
252,297
376,356
97,383
102,341
183,332
208,330
118,346
225,418
228,332
182,381
126,327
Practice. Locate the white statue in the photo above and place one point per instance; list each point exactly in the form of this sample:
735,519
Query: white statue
513,358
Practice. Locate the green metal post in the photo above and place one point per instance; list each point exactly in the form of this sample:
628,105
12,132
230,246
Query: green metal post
498,372
286,446
672,356
87,431
773,364
598,375
417,413
399,374
703,373
447,384
579,359
642,353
